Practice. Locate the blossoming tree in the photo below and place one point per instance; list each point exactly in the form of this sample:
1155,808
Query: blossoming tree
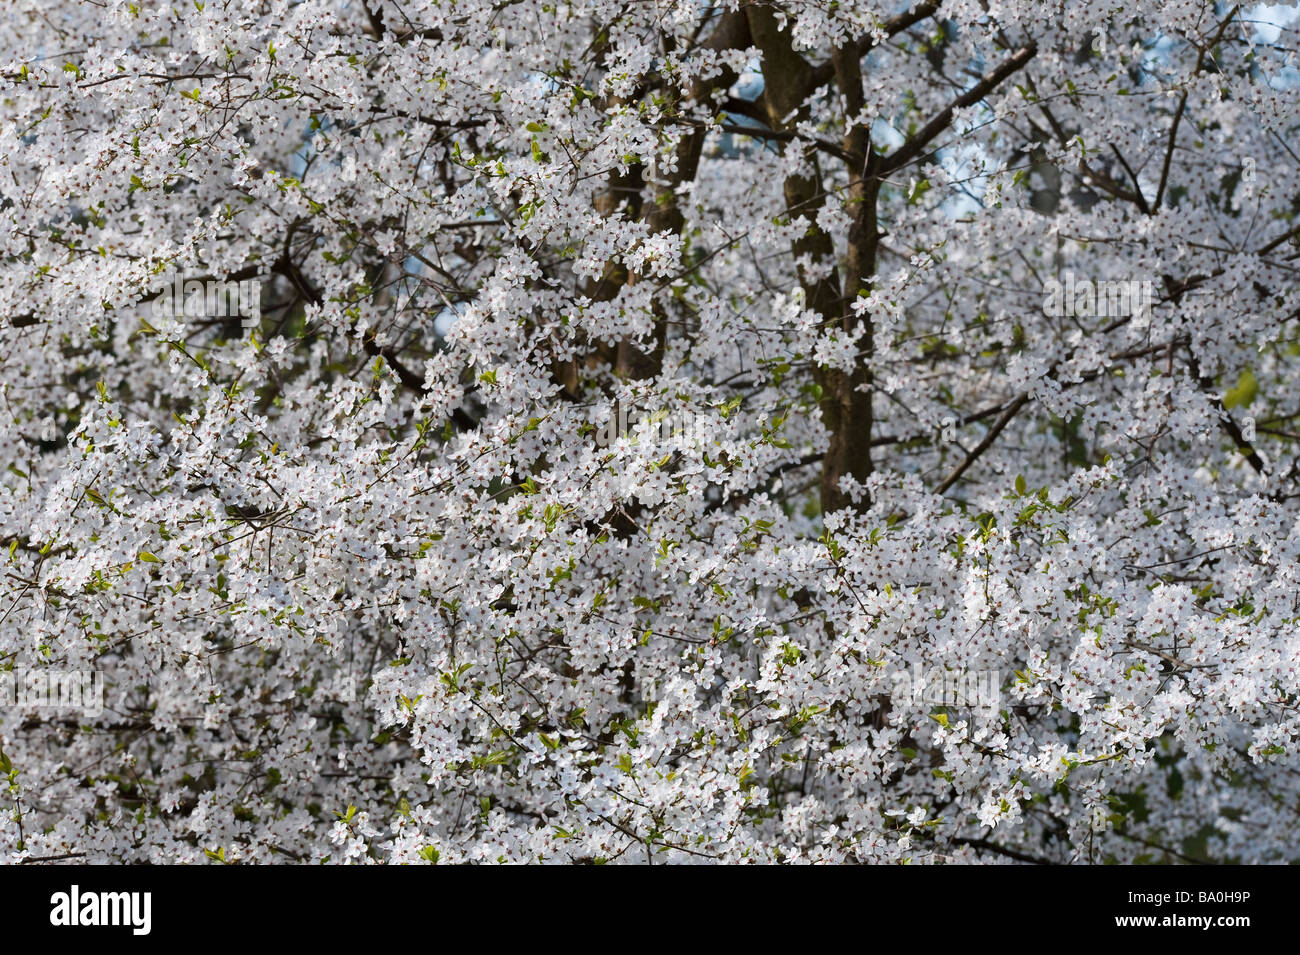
654,421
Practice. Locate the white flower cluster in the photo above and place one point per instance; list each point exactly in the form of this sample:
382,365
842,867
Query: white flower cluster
365,573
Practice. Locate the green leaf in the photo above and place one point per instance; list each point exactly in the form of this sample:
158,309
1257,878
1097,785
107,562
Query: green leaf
1244,393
